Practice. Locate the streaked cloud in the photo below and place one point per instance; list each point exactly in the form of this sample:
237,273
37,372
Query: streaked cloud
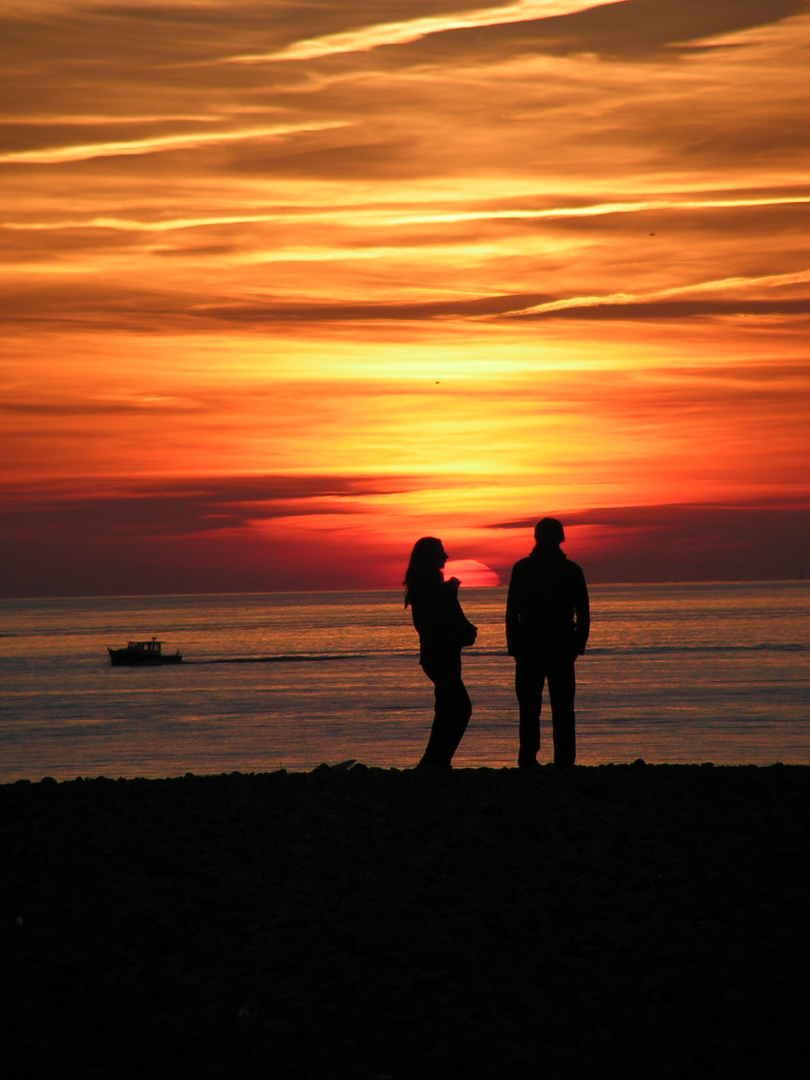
404,32
156,145
373,219
725,287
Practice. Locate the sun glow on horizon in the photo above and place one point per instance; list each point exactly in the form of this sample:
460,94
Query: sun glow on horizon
471,573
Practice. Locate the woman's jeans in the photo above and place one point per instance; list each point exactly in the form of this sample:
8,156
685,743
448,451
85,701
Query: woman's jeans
452,710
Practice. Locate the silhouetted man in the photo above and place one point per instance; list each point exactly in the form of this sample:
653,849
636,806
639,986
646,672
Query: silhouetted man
547,625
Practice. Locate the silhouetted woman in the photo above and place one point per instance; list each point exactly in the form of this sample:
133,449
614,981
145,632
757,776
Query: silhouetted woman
443,632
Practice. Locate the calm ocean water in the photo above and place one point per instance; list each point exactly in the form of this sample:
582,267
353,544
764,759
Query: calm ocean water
674,673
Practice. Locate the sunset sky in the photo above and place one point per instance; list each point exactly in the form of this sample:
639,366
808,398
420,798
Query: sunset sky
285,286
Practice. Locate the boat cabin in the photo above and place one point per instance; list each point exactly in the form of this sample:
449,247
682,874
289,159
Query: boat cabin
152,646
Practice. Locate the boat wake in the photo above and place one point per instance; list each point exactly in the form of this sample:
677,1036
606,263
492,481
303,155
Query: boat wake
286,658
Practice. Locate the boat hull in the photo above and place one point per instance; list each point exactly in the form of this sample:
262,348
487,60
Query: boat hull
131,658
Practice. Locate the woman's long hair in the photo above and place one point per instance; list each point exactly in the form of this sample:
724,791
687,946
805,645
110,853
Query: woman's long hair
422,570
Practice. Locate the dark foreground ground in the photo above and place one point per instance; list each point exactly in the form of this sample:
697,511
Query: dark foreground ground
622,921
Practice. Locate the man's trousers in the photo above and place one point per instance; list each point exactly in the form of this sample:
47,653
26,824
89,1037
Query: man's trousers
531,674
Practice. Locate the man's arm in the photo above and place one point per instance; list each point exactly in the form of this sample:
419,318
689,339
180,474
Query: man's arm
513,611
582,610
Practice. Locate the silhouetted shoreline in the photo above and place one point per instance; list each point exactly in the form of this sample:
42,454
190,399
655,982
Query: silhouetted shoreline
596,922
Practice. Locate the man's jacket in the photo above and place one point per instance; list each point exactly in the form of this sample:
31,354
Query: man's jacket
547,609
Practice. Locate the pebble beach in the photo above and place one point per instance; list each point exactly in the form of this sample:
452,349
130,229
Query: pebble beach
610,921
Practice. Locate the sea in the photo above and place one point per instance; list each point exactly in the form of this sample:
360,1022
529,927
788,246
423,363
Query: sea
673,673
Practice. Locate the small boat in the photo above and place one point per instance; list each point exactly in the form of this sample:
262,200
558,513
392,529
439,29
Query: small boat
143,652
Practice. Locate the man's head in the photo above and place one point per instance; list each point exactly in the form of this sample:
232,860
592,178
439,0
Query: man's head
548,532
